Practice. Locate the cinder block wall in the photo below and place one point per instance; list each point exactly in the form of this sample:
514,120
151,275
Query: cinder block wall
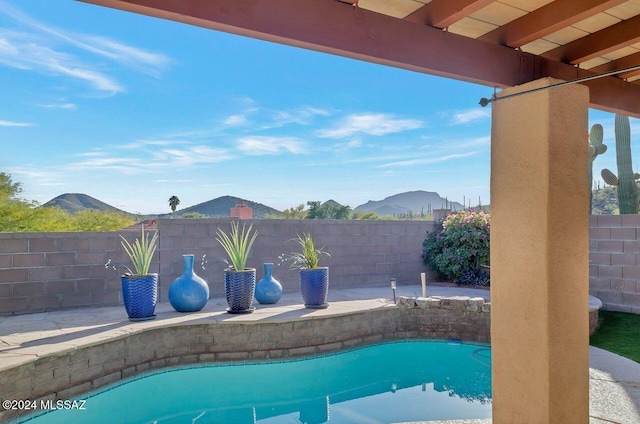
614,271
49,271
363,253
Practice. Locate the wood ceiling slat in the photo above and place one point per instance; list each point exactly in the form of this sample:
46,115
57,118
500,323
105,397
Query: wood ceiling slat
620,53
609,39
625,10
470,27
526,5
566,35
498,13
590,64
538,47
597,22
622,63
547,20
395,8
442,13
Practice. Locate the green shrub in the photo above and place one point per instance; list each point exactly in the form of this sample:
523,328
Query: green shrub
458,245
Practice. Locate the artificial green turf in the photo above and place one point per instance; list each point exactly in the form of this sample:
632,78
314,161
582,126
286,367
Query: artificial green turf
619,333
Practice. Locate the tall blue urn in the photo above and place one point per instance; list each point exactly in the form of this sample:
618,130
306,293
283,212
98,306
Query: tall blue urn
268,290
189,292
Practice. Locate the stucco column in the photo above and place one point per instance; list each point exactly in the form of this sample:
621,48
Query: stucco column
539,255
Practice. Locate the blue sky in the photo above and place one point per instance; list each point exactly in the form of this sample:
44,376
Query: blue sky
133,110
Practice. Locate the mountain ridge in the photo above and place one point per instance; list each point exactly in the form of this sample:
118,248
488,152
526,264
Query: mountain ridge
221,207
74,202
411,202
415,202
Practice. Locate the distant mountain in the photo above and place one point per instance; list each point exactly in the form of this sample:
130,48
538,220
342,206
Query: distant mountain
331,203
415,202
221,206
74,202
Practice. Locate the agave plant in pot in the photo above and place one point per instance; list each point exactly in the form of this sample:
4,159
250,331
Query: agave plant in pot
140,288
314,279
239,281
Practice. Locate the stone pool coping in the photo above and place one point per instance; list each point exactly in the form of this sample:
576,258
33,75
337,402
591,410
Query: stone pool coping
63,354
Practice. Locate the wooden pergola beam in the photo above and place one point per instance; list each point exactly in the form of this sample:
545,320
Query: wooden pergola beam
546,20
338,28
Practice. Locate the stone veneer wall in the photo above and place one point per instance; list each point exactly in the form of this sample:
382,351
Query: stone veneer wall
68,374
49,271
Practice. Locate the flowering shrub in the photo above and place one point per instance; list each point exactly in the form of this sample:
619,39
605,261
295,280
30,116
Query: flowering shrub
459,245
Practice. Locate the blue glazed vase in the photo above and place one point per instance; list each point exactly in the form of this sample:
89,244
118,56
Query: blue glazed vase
189,292
268,290
314,285
140,296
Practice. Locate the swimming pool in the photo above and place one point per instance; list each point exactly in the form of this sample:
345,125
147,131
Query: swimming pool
399,381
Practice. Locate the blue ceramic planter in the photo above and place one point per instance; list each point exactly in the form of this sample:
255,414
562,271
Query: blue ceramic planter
140,296
268,290
239,287
189,292
314,284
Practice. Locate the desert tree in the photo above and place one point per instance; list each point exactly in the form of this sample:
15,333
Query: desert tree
173,203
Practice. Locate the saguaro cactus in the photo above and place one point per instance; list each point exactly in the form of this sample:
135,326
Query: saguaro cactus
626,179
596,147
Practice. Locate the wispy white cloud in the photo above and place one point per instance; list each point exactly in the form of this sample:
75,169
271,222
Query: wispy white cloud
376,124
301,116
457,143
363,159
193,155
14,124
427,160
342,147
22,51
39,47
178,181
484,141
30,172
263,118
264,145
149,159
38,175
466,116
150,144
103,161
133,57
58,106
235,120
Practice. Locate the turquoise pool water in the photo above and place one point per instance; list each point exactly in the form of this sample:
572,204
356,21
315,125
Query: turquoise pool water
394,382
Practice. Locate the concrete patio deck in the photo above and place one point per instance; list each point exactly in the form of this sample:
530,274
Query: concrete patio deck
614,380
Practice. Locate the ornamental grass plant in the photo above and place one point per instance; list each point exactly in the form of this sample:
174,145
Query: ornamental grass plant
237,244
140,252
309,256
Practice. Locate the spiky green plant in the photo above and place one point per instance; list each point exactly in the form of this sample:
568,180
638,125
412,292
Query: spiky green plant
140,252
626,178
309,256
596,147
237,244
